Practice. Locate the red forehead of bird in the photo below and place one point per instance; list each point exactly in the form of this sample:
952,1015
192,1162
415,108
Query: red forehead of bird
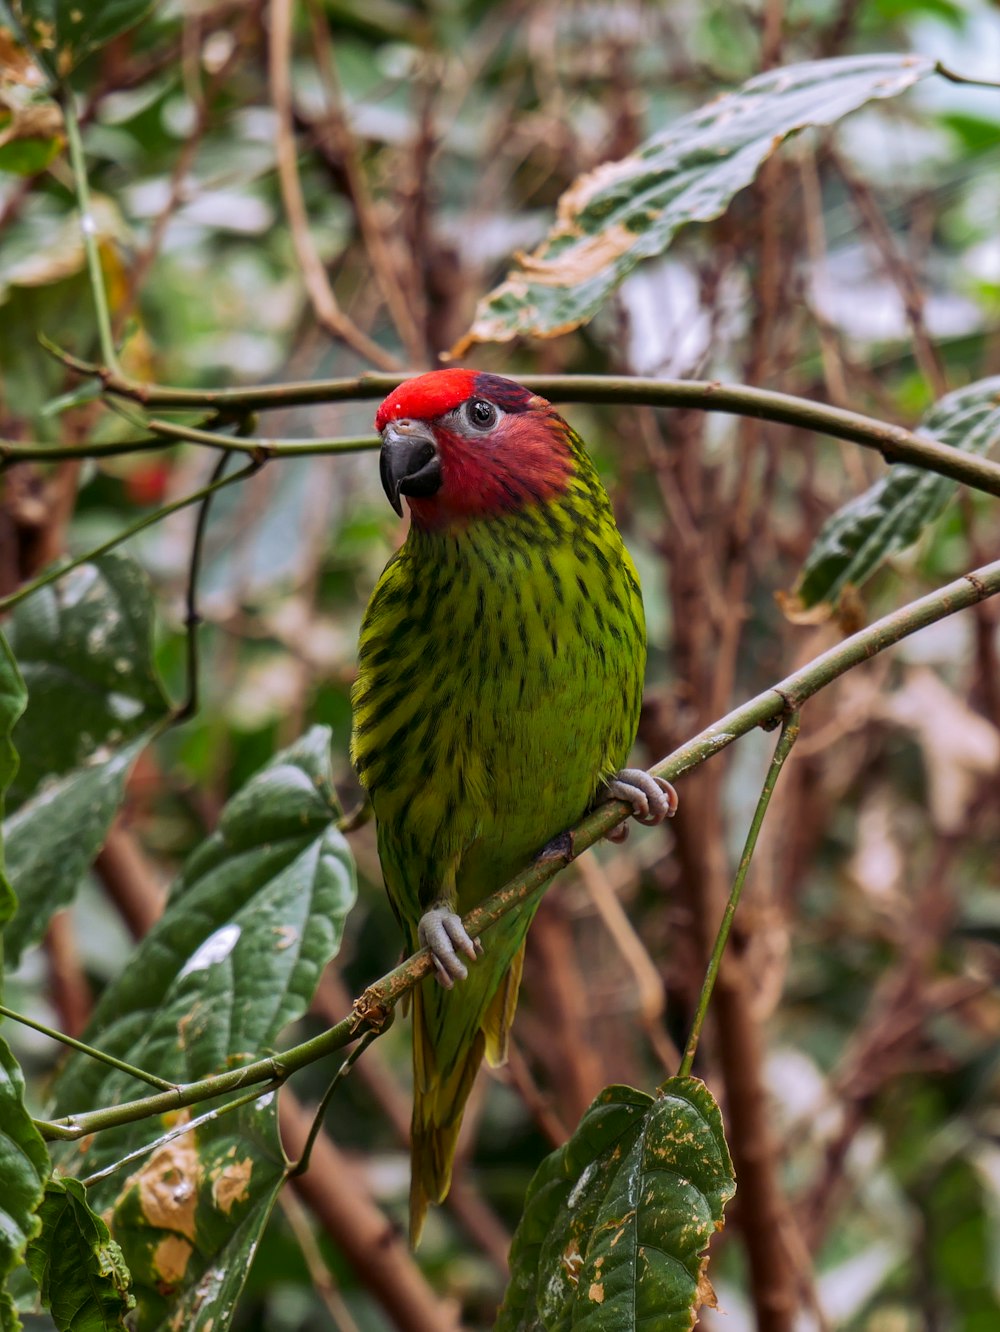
434,395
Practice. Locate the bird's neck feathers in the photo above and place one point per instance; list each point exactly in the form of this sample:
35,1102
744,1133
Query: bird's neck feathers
530,463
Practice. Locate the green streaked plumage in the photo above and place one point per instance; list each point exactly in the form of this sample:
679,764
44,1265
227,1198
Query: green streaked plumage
500,674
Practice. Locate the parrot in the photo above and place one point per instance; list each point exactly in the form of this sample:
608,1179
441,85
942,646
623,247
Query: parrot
500,673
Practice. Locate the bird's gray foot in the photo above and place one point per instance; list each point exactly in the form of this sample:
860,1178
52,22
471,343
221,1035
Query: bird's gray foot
441,930
653,799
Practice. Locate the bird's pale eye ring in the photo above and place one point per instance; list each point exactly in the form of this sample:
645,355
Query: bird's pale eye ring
480,414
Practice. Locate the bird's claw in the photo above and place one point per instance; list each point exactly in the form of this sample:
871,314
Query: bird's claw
653,799
441,930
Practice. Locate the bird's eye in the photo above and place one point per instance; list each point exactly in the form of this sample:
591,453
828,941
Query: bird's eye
480,414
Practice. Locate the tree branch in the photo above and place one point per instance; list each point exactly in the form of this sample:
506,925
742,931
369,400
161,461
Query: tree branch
371,1010
895,443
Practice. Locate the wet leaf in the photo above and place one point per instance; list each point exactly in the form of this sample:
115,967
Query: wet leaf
251,922
616,1221
84,646
894,512
76,1264
626,211
24,1167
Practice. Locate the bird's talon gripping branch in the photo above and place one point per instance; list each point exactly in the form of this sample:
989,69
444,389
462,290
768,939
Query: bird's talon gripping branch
653,799
441,930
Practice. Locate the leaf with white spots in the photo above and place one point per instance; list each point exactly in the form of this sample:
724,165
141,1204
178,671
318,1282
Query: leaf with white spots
84,646
612,218
894,512
249,926
616,1221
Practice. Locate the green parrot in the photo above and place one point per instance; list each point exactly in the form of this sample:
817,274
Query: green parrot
500,675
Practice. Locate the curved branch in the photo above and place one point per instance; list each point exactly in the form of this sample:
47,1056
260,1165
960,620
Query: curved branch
374,1007
895,443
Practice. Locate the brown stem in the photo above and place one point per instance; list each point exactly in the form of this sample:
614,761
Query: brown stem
338,1196
321,297
71,996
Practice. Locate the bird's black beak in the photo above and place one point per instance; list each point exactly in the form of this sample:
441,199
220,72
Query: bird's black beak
409,463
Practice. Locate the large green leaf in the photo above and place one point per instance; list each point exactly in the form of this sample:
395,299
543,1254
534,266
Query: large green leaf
616,1221
84,646
64,31
626,211
255,916
893,513
13,697
24,1167
76,1264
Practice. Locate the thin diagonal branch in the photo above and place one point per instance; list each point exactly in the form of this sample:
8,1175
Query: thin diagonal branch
372,1010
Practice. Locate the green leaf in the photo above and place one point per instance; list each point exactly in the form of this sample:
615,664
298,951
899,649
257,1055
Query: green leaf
255,916
64,31
616,1221
13,697
893,513
85,648
626,211
78,1267
24,1167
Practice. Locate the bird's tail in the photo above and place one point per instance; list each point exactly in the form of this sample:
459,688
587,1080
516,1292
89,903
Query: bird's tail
439,1096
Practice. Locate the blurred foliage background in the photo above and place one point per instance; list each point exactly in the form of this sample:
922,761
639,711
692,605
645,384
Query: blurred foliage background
855,1045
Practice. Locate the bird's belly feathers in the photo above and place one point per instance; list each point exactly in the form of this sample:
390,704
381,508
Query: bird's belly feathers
494,695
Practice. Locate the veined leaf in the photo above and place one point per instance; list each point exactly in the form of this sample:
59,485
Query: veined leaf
893,513
76,1264
64,31
24,1168
84,646
616,1221
626,211
250,924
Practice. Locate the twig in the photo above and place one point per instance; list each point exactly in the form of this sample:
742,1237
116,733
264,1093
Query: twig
895,443
254,1094
789,734
901,275
100,1055
319,1273
369,1240
87,226
371,231
321,296
192,619
764,710
302,1164
59,571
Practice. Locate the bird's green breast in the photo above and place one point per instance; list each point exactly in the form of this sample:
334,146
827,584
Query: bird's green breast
500,677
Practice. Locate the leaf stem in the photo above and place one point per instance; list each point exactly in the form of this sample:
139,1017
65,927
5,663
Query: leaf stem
372,1008
54,573
192,619
88,227
302,1164
789,734
90,1050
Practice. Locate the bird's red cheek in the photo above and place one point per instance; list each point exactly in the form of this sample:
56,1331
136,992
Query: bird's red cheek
528,464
